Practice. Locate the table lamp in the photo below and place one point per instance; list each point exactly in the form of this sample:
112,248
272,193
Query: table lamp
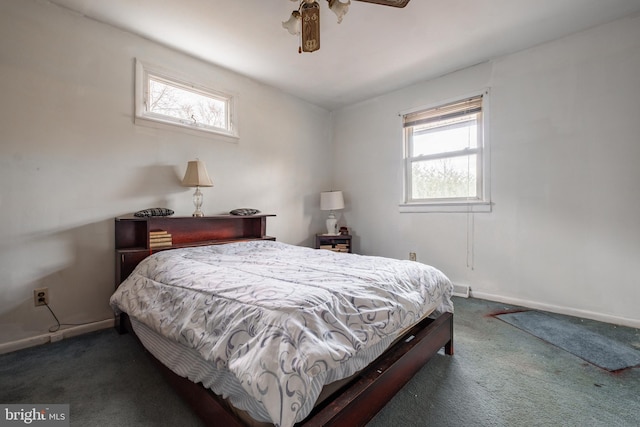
197,176
331,201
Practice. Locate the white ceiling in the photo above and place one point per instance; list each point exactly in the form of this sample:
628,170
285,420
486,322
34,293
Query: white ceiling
374,50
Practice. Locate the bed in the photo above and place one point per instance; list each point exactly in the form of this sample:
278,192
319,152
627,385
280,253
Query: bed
258,331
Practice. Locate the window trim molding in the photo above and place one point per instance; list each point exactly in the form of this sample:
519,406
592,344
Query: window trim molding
451,205
145,118
446,207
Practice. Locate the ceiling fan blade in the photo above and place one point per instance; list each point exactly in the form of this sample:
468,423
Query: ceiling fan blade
394,3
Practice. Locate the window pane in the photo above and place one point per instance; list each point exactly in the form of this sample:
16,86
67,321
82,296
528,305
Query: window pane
453,177
445,136
193,107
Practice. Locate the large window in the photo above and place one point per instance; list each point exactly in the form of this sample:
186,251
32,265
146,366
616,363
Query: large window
446,157
163,100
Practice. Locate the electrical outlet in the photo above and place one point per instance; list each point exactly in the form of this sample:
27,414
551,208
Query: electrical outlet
41,296
412,256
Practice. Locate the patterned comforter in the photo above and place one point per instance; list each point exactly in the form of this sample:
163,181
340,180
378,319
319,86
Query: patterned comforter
283,319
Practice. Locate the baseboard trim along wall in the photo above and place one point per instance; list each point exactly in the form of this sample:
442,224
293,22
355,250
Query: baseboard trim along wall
56,336
459,290
585,314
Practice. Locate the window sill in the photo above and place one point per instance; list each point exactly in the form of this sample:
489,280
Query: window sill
175,127
445,207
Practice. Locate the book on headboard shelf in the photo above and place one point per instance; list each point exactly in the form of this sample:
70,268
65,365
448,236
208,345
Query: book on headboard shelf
160,239
160,245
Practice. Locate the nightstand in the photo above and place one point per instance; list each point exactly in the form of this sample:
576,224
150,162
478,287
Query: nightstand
336,243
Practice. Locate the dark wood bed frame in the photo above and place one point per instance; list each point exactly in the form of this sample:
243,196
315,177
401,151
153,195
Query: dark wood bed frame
354,404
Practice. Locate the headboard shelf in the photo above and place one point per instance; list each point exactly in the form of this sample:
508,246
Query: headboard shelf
132,241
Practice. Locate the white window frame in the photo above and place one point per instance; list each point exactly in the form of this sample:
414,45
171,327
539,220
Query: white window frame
480,204
145,71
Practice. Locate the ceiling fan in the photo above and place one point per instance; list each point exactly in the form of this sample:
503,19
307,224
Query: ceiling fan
305,21
394,3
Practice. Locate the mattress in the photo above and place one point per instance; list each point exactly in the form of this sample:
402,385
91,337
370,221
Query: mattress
273,322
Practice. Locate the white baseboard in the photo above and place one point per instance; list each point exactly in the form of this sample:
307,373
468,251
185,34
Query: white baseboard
73,331
585,314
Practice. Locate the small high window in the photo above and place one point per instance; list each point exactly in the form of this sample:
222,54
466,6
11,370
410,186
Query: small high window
446,156
162,100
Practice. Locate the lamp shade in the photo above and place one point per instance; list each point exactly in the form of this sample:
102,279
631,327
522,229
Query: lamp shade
331,200
196,175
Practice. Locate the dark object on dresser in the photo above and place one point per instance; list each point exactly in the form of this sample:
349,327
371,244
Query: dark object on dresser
154,212
244,211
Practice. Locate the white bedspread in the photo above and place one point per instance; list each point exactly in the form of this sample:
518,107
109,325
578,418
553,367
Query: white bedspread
283,319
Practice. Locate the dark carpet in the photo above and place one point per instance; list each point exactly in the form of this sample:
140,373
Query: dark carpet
593,347
499,376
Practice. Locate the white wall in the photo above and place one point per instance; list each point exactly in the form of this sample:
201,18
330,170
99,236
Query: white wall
71,159
564,234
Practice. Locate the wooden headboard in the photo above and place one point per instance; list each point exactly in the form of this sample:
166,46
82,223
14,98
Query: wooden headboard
132,241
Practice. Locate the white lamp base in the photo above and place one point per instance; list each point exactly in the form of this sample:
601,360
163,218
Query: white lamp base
197,202
332,225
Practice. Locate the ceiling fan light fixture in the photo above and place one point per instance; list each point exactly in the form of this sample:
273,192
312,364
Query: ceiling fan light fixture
339,8
305,22
294,24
